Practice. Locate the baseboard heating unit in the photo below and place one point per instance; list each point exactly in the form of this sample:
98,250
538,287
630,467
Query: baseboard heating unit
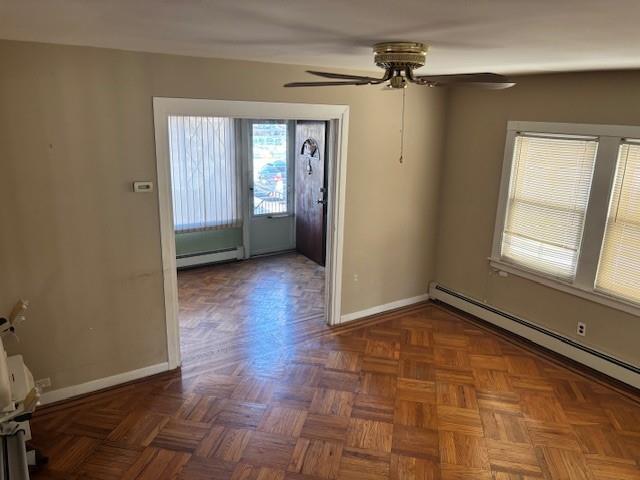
204,258
554,341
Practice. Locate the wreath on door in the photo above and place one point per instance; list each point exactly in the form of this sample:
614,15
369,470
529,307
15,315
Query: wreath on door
310,151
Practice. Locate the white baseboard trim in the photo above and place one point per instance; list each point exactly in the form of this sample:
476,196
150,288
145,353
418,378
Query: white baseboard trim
543,336
209,258
349,317
100,383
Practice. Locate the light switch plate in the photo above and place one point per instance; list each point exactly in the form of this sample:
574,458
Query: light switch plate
142,187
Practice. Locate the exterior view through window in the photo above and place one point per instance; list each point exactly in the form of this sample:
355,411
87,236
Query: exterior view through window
270,182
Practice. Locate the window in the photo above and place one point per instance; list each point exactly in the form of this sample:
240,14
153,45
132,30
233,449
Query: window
619,270
569,210
548,195
205,179
270,165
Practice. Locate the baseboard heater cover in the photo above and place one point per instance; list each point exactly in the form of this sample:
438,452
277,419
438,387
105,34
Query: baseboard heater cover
209,257
554,341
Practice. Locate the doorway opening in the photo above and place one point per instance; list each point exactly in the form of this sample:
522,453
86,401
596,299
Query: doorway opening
251,205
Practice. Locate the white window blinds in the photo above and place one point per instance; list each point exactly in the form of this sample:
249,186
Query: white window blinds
548,196
619,269
205,178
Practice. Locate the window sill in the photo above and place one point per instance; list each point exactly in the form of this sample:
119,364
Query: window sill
548,281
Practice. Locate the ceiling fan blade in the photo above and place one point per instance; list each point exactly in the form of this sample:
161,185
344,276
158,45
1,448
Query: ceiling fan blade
481,80
322,84
345,76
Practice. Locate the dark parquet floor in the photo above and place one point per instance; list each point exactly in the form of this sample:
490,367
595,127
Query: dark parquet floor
268,392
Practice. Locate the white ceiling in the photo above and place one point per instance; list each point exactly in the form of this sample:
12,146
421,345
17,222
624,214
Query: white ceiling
503,36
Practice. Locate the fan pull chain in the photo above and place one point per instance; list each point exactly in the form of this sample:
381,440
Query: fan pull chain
404,90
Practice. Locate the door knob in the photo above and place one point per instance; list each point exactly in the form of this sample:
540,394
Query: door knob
321,201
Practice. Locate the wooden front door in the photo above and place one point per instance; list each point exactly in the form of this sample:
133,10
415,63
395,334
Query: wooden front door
311,190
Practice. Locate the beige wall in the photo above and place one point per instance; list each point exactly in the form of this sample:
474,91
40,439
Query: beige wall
75,131
476,129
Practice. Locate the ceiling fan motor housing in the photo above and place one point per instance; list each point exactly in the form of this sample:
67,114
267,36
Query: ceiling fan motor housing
400,55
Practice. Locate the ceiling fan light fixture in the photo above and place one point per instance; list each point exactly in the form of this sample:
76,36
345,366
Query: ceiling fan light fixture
398,82
399,60
400,55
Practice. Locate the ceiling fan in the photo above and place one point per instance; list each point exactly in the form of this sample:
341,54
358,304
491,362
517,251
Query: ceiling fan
399,60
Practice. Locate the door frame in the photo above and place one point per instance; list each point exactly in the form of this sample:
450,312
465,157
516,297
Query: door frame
338,117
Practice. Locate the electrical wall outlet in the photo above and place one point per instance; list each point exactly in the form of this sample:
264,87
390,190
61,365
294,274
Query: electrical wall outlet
43,383
581,329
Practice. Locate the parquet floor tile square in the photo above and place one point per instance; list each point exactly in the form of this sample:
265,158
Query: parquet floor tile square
348,361
600,440
415,442
383,349
332,402
69,452
283,421
411,468
268,449
606,468
560,463
200,408
228,444
139,428
250,472
369,435
491,380
505,427
418,337
456,395
293,396
416,390
316,458
451,357
181,435
325,427
417,368
552,435
240,414
337,380
464,450
378,384
254,390
415,414
359,465
108,462
268,392
511,457
371,407
380,365
198,468
488,362
94,423
463,420
158,464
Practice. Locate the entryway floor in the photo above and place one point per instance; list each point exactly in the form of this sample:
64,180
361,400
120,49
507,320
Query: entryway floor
259,306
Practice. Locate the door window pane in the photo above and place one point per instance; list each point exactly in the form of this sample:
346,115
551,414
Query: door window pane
270,182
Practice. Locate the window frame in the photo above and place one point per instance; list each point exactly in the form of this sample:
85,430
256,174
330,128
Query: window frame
610,138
